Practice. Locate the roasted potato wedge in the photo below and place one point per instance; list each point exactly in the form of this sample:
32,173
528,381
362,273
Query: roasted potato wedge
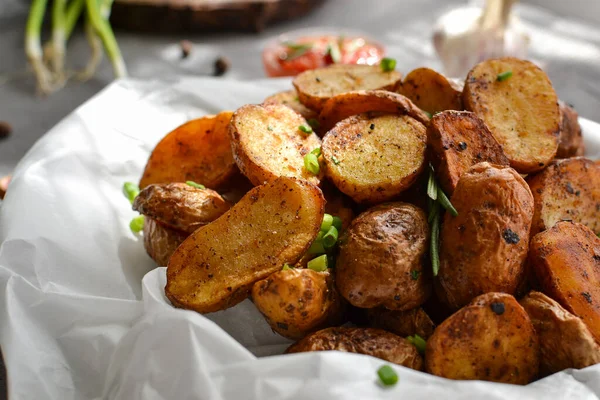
160,241
570,142
491,339
521,110
347,104
236,188
568,189
180,206
297,301
217,265
290,98
402,323
484,248
267,143
432,91
372,342
381,257
457,141
316,86
372,157
566,261
565,341
198,151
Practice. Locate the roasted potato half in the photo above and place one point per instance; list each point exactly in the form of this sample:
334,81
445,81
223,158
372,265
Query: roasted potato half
216,267
570,143
372,342
432,91
160,241
566,261
298,301
491,339
568,189
381,258
316,86
565,341
347,104
458,140
373,157
521,110
402,323
267,143
198,151
484,248
290,98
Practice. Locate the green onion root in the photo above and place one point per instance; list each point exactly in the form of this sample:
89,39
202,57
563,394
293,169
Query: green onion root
96,52
33,46
104,31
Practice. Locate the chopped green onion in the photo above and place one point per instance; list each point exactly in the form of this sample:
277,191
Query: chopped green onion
316,246
432,190
333,50
335,160
434,210
318,264
131,190
428,114
137,224
445,202
306,129
414,274
196,185
327,221
316,151
387,375
286,267
434,244
388,64
337,222
330,238
314,123
504,76
311,163
418,342
297,50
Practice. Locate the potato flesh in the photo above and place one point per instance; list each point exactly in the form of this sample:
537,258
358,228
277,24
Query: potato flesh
217,265
431,91
571,138
290,98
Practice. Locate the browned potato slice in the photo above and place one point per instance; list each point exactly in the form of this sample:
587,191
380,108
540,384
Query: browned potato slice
566,261
380,260
571,140
180,206
267,143
567,190
347,104
316,86
373,342
458,140
373,158
290,98
235,188
565,341
491,339
160,241
521,111
432,91
296,302
217,265
197,151
402,323
484,248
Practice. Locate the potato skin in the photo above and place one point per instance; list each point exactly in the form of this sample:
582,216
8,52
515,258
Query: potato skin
401,323
566,261
484,248
568,189
380,253
431,91
290,98
161,241
180,206
458,140
491,339
373,342
296,302
570,142
565,341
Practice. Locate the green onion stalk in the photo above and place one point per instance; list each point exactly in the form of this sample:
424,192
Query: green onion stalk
33,45
104,31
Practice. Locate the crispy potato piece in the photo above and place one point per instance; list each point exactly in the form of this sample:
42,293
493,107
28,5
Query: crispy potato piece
432,91
161,241
565,341
198,151
347,104
217,265
570,142
372,157
296,302
380,261
521,111
458,140
373,342
402,323
566,261
316,86
180,206
568,189
235,188
267,143
290,98
491,339
484,248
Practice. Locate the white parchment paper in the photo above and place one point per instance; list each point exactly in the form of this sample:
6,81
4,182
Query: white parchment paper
82,309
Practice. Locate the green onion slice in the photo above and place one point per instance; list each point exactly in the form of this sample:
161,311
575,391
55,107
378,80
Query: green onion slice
316,151
445,202
194,184
418,342
327,221
428,114
137,224
314,123
330,238
286,267
337,222
504,76
131,190
333,50
311,163
318,264
388,64
305,129
432,190
387,375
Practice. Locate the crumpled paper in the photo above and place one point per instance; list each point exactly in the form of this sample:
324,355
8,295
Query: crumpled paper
82,309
